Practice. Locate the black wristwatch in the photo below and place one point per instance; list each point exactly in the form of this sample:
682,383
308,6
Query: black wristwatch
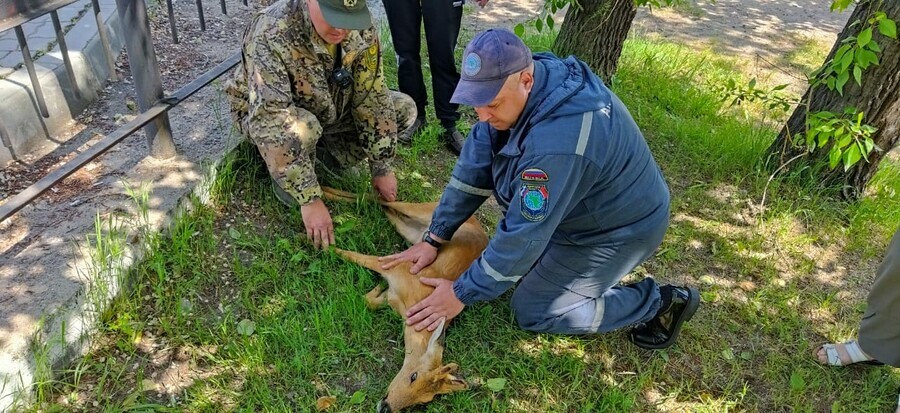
426,237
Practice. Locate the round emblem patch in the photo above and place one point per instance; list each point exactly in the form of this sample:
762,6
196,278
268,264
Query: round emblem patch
535,202
472,65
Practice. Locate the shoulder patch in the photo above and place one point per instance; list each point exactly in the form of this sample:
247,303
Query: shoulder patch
534,175
535,201
372,57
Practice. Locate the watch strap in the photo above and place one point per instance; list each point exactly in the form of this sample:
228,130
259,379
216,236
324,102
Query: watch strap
426,237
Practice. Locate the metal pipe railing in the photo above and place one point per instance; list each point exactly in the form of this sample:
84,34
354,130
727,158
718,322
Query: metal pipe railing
25,197
29,65
64,50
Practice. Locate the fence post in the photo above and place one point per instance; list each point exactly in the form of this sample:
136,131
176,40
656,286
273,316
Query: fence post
145,70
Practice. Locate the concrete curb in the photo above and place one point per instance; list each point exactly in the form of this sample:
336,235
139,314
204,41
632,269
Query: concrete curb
23,129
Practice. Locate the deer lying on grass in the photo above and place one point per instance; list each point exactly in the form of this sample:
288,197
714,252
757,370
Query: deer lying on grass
423,374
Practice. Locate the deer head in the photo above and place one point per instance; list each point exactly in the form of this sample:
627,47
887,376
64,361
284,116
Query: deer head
423,375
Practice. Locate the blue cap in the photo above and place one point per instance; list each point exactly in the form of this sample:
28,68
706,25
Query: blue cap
489,59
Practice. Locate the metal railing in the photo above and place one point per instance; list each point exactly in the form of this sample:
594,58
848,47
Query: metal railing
153,104
25,197
15,13
171,10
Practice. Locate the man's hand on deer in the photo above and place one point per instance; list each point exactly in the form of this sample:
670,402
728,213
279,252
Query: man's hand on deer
420,255
317,220
442,303
386,186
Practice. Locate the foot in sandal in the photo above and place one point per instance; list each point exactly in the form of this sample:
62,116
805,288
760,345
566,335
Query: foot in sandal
843,354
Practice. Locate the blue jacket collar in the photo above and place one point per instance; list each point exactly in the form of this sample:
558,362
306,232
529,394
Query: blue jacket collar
556,81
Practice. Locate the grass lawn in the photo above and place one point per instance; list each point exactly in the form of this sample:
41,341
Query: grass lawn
233,310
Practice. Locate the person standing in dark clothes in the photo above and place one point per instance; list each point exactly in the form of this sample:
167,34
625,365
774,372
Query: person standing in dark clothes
442,19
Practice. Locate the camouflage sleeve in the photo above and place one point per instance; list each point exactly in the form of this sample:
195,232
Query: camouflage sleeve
373,109
285,133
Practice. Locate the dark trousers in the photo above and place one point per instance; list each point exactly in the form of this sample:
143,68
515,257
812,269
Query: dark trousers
442,19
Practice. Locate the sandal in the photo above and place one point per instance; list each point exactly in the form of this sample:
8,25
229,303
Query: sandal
844,354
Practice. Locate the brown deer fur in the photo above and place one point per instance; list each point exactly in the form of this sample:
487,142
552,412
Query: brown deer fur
423,374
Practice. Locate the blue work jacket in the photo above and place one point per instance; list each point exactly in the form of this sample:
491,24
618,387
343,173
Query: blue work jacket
573,170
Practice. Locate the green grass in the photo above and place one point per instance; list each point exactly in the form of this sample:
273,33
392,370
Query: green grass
775,282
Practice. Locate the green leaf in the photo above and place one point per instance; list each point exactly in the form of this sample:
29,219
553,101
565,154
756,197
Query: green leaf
496,384
869,57
841,81
752,83
519,30
851,157
246,327
797,381
728,354
539,24
234,233
836,407
869,145
840,5
888,28
665,355
864,37
862,150
357,397
550,22
834,158
846,60
844,141
874,47
746,355
779,87
857,75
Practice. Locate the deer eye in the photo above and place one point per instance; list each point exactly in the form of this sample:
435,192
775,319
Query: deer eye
413,377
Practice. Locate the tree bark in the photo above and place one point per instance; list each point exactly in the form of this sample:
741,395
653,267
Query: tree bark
878,99
596,33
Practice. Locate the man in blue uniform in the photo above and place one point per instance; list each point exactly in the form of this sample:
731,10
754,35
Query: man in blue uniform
584,201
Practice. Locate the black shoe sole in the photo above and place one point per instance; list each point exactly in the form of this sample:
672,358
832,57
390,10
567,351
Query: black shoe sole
692,305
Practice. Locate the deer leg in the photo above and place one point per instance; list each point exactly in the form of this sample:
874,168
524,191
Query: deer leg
410,219
376,298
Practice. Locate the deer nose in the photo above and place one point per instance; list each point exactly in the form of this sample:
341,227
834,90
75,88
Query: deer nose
383,407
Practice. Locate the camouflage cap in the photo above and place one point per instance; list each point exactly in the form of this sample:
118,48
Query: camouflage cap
346,14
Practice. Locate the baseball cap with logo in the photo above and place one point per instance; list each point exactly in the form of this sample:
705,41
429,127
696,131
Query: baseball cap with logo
488,60
346,14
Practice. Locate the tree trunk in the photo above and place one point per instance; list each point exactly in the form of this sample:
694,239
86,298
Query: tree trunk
595,33
878,99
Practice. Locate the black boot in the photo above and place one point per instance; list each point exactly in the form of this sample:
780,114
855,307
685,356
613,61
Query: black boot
679,305
453,139
406,137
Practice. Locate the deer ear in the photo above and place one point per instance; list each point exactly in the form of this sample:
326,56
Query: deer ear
447,375
436,343
437,334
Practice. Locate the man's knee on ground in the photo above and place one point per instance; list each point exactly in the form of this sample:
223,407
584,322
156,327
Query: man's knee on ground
529,318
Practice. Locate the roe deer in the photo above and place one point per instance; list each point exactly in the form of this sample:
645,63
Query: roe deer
423,374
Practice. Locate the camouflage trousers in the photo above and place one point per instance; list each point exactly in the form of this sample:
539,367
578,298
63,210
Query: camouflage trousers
292,164
341,143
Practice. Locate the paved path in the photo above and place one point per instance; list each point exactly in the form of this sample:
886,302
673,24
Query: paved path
40,34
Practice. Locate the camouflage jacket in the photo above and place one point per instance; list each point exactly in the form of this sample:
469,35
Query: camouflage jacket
282,91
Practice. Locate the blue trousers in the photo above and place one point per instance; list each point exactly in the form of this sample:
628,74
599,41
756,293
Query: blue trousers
574,289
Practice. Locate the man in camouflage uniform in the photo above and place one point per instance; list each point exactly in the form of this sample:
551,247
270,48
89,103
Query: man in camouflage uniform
289,99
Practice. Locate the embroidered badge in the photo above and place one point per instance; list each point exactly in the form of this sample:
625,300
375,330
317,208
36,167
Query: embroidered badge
372,57
350,4
534,175
472,64
535,201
